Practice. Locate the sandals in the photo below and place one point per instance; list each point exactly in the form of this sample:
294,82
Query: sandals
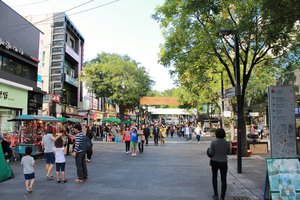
79,181
50,178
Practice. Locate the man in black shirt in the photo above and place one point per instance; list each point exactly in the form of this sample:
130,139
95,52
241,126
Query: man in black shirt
147,133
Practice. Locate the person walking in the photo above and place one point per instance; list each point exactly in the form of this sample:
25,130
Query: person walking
141,140
133,140
156,134
79,155
147,134
187,133
48,143
126,139
218,151
27,163
89,151
163,135
60,160
198,133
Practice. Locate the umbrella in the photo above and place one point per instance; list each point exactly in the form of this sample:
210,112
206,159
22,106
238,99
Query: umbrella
22,118
74,120
45,118
61,119
128,121
111,120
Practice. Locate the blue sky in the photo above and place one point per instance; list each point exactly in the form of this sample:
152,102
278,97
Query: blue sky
123,27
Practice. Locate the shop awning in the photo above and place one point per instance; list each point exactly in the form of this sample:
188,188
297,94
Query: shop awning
34,117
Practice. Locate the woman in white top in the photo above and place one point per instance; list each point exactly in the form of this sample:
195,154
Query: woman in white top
60,160
198,133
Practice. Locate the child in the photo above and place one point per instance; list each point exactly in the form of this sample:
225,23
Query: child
28,169
133,140
60,160
126,139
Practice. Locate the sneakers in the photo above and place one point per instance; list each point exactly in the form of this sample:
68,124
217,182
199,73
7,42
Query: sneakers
29,190
134,154
88,160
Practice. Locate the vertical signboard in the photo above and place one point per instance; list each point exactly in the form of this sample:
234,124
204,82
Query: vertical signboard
41,61
282,121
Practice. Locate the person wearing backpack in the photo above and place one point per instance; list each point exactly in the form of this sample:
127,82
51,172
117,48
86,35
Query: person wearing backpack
79,154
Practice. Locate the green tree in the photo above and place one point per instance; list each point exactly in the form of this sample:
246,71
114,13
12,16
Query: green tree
192,42
118,78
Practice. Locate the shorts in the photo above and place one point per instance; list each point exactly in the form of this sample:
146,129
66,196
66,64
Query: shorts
60,167
133,145
50,158
29,176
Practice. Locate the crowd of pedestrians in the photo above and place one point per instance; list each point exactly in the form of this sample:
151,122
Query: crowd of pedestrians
56,147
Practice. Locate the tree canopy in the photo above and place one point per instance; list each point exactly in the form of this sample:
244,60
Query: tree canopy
118,78
201,36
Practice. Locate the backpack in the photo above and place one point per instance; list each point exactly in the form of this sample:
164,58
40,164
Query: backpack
86,144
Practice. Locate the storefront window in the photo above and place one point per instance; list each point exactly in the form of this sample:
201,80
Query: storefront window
6,126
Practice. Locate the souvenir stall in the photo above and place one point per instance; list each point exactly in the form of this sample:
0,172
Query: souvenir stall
31,129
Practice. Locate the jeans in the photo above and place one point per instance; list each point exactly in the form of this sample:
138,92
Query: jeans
81,165
141,147
223,167
198,138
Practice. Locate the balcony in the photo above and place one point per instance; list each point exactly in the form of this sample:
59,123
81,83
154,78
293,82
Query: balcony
71,80
72,53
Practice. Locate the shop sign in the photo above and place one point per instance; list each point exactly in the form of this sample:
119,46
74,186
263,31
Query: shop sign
13,47
55,98
253,114
13,97
46,98
10,46
71,110
4,95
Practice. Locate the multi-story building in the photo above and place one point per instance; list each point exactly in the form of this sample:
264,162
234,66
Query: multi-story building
19,64
62,62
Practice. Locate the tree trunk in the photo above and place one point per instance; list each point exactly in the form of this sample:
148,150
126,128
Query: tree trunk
122,112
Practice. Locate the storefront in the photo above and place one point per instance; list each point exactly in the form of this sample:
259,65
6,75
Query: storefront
13,102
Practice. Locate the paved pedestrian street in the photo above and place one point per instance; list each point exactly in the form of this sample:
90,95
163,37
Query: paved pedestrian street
177,171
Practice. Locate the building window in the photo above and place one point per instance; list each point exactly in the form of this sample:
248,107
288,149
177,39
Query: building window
58,37
56,64
57,57
57,85
58,24
72,43
55,71
58,31
58,43
57,50
55,78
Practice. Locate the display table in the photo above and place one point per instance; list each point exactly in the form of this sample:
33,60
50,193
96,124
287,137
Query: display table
36,149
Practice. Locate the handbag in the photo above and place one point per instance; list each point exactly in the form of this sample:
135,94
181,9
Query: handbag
208,153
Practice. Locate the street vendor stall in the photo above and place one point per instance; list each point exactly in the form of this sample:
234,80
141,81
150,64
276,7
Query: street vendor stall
30,133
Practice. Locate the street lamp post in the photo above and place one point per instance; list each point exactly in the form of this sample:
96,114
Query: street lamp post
238,95
222,99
